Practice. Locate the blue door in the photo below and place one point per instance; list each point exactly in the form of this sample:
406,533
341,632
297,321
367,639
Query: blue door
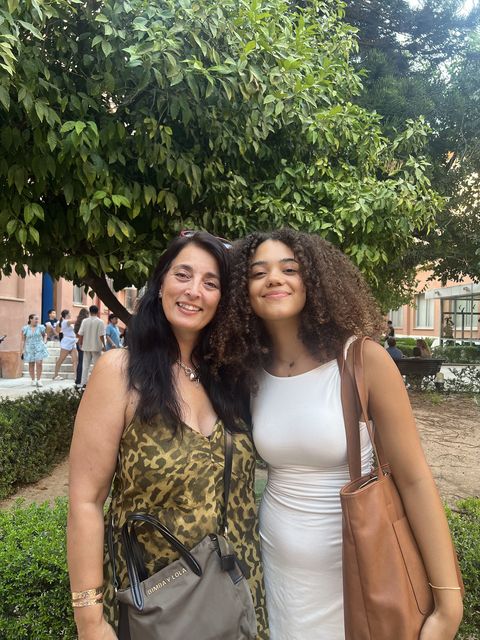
47,295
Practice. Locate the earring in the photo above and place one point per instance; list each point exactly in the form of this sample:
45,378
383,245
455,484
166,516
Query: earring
160,294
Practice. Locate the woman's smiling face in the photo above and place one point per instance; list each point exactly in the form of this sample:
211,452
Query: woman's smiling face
190,290
276,287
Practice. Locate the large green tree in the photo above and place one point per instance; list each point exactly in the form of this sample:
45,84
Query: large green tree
424,59
123,121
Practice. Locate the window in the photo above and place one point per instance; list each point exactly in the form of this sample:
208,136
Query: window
424,312
464,308
78,294
396,316
130,298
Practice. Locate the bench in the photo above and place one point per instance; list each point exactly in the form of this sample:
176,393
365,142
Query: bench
415,369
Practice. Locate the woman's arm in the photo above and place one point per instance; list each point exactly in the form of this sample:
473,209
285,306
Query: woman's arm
391,412
99,425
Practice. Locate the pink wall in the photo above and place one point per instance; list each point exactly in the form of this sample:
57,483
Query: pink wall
408,326
21,296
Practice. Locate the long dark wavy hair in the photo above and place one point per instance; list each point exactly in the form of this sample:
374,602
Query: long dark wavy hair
153,348
82,314
338,304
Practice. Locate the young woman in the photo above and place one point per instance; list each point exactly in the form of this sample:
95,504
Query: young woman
154,416
33,348
422,345
295,304
68,343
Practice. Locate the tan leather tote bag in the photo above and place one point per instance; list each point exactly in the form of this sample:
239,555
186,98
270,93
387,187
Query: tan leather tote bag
385,585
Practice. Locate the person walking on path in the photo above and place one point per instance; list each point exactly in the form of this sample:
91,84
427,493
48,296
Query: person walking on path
34,351
91,336
76,328
112,333
67,343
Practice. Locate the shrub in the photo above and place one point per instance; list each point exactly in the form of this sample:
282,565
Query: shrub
35,602
406,342
465,527
465,380
35,434
466,354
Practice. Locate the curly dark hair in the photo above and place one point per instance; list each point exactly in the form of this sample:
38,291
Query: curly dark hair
338,304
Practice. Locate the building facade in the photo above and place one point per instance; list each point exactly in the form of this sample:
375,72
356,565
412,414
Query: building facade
19,297
457,304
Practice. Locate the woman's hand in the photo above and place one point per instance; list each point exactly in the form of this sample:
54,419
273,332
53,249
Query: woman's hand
100,631
440,626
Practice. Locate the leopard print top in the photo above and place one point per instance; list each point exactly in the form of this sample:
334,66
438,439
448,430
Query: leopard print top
179,480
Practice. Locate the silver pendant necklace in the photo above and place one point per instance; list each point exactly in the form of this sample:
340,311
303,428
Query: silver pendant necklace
192,374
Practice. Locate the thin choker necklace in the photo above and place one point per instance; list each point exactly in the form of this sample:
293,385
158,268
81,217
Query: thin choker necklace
192,373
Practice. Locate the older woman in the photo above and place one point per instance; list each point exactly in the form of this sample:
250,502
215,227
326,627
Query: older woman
154,416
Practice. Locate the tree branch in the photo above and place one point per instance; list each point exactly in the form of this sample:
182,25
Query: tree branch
106,295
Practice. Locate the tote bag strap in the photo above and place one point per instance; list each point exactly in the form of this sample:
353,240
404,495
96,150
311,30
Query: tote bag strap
355,406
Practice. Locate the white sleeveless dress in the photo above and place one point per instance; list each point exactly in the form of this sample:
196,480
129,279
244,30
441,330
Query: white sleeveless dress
298,429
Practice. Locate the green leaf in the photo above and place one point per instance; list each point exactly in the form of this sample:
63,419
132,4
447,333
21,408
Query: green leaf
40,109
250,46
32,29
28,214
79,127
34,234
171,202
97,40
19,179
5,97
52,139
101,18
68,192
67,126
111,228
149,194
22,235
106,48
120,201
11,226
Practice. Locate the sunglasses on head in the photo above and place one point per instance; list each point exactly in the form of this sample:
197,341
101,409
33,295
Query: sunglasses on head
190,233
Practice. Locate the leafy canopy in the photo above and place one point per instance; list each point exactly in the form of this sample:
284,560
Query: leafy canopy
123,121
425,60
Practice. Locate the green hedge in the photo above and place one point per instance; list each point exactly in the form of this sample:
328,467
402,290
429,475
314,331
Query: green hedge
465,527
462,354
35,434
35,602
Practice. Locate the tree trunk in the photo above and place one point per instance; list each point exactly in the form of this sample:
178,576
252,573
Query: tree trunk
107,296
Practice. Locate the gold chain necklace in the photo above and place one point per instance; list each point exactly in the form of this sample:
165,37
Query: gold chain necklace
192,373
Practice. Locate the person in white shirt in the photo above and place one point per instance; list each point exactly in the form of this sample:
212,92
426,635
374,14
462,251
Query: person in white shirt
91,338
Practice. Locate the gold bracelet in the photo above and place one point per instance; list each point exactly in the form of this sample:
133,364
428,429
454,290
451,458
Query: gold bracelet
89,593
445,588
88,602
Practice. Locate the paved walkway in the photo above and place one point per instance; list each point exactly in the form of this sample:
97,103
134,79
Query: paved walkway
17,387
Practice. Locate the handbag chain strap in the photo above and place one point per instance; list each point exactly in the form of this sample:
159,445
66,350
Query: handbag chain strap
227,479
